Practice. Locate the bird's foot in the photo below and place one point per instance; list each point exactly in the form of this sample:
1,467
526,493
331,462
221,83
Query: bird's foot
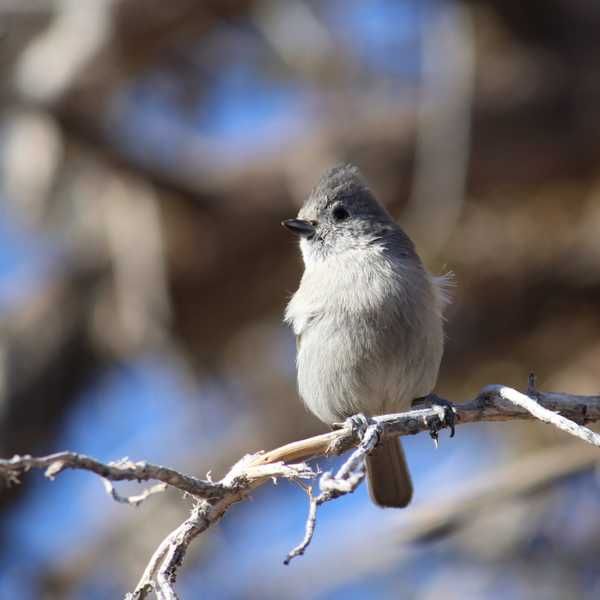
358,424
445,417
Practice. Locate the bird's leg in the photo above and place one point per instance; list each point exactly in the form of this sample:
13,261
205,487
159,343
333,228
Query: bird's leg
358,424
447,417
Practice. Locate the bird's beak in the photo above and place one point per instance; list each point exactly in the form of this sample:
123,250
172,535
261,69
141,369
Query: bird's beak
299,227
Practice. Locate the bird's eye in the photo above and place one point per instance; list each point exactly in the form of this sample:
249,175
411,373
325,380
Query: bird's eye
340,213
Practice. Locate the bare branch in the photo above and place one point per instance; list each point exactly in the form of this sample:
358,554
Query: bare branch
350,475
549,416
309,531
134,500
491,404
166,574
243,477
520,477
122,470
212,499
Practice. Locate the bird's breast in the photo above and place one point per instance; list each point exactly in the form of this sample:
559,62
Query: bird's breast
362,346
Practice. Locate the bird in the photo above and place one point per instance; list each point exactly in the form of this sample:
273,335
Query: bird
368,318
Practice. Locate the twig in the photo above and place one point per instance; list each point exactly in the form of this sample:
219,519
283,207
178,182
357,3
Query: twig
179,543
242,478
352,472
309,530
487,493
549,416
350,475
489,405
123,470
213,499
134,500
166,575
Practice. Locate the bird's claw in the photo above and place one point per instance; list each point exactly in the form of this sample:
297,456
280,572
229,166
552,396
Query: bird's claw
358,424
446,416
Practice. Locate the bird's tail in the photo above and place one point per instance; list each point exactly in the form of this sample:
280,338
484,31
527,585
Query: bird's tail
389,479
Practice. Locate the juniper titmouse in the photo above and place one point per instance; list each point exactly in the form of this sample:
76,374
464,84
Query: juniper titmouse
367,316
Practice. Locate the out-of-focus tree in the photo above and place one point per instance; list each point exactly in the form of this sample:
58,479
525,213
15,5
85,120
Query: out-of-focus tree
148,152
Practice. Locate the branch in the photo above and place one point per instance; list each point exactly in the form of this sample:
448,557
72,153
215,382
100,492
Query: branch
135,500
345,481
520,478
122,470
212,499
493,403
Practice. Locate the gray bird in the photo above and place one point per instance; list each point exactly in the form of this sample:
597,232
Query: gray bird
367,318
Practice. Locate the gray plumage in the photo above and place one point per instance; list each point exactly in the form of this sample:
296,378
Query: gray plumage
367,316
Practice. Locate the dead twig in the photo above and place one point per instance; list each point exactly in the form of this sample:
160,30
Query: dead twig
350,475
122,470
549,416
212,499
134,500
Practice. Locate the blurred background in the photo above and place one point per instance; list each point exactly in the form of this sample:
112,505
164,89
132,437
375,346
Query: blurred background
148,152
